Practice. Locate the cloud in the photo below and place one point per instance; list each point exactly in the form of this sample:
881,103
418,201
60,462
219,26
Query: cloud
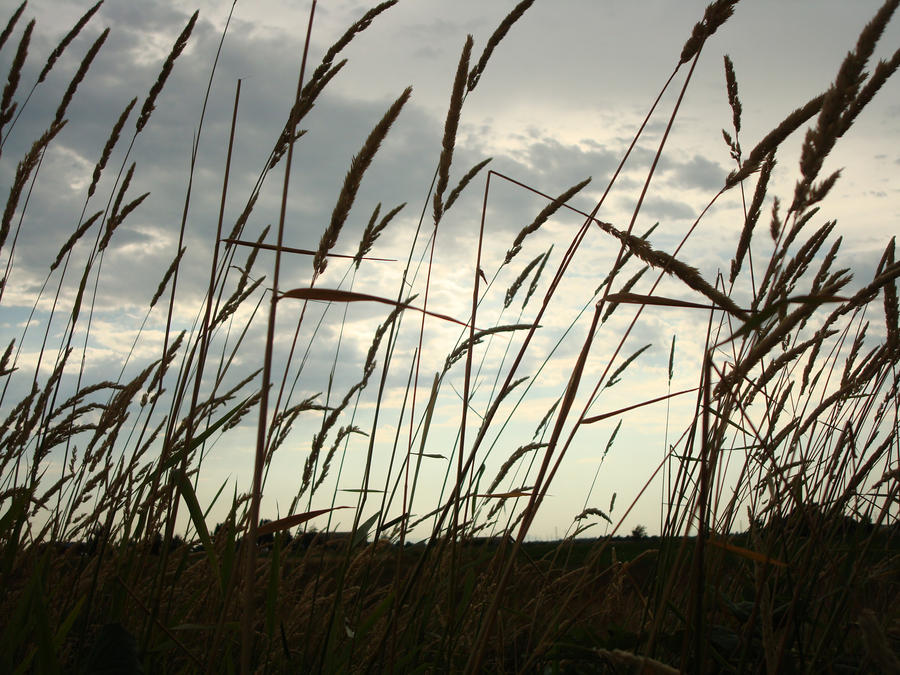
549,158
663,208
697,173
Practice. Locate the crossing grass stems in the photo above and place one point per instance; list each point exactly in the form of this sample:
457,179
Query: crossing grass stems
794,430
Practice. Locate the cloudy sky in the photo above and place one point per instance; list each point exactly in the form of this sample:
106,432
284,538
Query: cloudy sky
560,101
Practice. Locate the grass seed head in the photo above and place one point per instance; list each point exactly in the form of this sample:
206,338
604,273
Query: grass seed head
451,124
11,24
168,64
67,39
352,181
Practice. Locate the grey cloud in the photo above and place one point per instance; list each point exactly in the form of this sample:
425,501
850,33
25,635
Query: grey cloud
662,208
426,52
337,126
549,157
696,173
427,32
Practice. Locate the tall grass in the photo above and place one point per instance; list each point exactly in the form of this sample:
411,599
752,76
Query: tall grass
108,558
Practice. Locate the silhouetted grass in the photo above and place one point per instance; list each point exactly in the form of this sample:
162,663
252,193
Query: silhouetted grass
794,431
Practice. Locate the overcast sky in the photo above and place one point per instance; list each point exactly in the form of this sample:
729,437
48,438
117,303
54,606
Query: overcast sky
560,100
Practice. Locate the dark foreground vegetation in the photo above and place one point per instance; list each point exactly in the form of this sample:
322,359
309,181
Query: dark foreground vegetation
795,431
608,586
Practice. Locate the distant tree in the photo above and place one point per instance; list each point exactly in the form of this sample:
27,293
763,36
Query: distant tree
156,543
265,539
303,540
639,532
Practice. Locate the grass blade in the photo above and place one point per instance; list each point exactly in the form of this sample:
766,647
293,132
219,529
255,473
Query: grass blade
337,295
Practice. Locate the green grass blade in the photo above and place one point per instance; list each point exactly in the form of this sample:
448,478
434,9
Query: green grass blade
190,498
198,440
363,530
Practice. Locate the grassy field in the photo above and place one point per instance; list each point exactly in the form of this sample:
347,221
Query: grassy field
109,561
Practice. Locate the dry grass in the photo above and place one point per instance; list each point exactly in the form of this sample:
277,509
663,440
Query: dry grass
794,430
